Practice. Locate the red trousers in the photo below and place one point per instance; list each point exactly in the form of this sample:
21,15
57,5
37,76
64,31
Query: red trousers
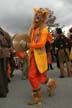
34,76
9,71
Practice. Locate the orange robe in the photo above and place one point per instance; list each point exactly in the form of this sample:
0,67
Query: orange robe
35,77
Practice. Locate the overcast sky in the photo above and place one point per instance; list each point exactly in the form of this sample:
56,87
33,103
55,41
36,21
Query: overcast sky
16,15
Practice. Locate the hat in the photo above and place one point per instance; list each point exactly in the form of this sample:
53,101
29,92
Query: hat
41,10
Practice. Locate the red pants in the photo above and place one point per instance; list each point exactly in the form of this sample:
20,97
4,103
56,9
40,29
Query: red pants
34,75
9,71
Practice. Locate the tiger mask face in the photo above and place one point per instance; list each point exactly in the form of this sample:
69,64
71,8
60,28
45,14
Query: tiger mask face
40,16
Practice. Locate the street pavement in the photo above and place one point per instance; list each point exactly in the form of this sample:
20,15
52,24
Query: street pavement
20,91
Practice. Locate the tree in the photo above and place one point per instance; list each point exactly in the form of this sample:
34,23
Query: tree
51,19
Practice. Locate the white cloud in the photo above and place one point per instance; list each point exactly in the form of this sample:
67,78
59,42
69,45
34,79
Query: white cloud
14,13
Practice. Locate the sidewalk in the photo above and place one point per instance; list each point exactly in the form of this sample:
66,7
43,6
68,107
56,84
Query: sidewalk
20,92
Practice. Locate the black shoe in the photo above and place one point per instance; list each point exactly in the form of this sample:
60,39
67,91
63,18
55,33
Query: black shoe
9,80
52,68
61,76
3,95
7,90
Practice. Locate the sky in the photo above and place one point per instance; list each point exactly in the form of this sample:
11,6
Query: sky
17,15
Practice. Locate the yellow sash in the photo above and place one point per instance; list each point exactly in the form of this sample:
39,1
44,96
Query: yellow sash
41,60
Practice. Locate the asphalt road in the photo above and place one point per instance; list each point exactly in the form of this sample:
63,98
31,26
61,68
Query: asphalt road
20,91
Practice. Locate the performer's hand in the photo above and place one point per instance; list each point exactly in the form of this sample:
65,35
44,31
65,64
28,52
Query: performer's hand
23,43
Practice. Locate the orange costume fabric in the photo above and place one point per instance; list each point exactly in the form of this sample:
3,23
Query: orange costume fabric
20,54
49,58
35,77
42,39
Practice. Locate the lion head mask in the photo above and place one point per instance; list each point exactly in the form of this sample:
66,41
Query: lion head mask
40,16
